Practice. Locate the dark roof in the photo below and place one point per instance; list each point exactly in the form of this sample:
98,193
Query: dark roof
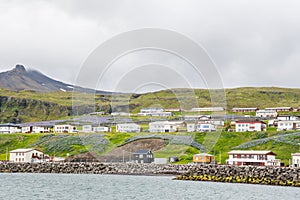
9,124
250,120
142,151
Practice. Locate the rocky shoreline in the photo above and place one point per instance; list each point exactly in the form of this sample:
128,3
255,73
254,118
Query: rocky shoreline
282,176
218,173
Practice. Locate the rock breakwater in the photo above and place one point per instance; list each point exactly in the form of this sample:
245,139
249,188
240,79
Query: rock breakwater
94,168
283,176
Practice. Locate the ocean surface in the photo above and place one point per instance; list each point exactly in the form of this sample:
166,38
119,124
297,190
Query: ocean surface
92,186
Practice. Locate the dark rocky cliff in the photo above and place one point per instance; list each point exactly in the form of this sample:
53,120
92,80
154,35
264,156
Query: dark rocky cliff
18,110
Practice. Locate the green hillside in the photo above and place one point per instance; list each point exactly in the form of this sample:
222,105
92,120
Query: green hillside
282,143
24,106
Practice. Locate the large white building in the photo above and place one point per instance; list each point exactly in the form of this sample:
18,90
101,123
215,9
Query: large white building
9,128
249,125
128,127
266,113
35,129
165,126
249,157
296,159
288,125
26,155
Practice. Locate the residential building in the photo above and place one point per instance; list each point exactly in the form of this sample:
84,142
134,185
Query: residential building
203,158
155,112
87,128
296,159
201,127
196,118
244,109
173,110
91,129
26,155
143,156
251,157
128,127
249,125
10,128
280,109
165,126
266,114
288,125
120,114
35,129
41,129
287,118
101,129
64,128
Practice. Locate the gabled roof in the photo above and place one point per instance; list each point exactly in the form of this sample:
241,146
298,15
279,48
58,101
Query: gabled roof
203,154
251,152
9,124
22,150
250,121
295,154
142,151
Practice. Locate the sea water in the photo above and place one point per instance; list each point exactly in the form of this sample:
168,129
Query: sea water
92,186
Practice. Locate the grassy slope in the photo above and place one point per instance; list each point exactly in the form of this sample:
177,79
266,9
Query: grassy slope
238,97
225,143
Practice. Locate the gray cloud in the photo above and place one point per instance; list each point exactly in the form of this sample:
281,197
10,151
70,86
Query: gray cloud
253,43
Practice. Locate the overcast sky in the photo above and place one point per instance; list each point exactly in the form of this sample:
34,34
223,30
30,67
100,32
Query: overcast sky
252,43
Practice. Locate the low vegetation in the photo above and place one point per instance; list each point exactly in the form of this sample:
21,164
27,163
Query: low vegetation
70,144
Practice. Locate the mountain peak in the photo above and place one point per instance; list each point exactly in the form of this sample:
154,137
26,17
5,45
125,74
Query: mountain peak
20,68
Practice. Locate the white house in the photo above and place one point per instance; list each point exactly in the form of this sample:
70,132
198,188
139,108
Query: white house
87,128
165,126
287,118
129,127
64,128
10,128
35,129
120,114
26,155
249,157
249,125
296,159
288,125
201,127
266,113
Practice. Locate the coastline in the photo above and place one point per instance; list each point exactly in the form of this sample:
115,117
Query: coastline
282,176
